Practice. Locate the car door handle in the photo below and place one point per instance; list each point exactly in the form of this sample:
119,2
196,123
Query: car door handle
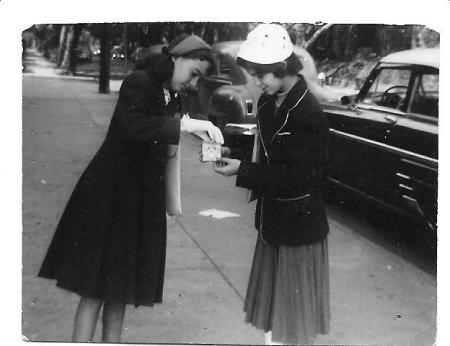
390,118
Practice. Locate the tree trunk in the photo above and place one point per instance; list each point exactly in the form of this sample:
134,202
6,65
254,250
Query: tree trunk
351,34
125,49
73,48
216,35
69,61
338,34
66,57
105,58
62,45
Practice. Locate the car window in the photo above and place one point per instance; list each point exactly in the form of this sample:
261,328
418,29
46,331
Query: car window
227,68
389,88
426,95
224,68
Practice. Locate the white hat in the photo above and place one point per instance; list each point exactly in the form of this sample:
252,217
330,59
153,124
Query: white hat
266,44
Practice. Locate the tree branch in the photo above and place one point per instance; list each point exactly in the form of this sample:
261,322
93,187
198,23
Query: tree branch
316,35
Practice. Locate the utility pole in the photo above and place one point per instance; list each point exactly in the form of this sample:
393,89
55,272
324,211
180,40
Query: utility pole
105,58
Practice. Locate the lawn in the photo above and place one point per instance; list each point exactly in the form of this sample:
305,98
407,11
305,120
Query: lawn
92,68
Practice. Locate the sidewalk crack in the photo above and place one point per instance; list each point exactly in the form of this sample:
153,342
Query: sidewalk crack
221,273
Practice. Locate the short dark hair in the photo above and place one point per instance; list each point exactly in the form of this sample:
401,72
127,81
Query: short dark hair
291,67
203,55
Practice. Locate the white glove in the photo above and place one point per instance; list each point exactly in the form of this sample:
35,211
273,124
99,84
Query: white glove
202,126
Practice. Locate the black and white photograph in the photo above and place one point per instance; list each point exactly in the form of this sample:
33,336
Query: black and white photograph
237,182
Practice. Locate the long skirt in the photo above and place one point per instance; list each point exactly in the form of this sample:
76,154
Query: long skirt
288,291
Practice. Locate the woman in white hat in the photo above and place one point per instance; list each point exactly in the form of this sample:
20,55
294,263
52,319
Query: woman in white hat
110,243
288,289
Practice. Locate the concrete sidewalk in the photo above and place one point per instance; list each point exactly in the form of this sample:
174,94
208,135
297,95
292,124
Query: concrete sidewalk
377,297
60,136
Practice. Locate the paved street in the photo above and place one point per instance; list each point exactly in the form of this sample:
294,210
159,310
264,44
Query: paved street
377,297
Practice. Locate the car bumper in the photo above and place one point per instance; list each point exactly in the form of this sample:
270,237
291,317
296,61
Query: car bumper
233,129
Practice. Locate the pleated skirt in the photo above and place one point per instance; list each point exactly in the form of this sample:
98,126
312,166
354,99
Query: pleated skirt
288,291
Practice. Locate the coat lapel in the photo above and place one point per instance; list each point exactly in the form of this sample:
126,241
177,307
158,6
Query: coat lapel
290,101
266,119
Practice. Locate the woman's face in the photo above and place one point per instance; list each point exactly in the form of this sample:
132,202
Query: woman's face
268,83
187,72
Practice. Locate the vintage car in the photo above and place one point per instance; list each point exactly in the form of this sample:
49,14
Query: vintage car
384,140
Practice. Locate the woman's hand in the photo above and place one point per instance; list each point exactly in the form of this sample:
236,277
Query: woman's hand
226,166
200,127
225,151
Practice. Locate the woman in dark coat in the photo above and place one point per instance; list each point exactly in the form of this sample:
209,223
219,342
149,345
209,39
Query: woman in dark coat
288,289
110,244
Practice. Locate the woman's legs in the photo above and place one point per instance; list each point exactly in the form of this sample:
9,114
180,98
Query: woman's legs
86,319
113,314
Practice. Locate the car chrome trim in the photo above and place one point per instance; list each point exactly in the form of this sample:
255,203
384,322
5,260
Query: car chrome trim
241,129
374,199
421,182
402,176
390,118
293,198
380,109
406,187
422,158
218,79
249,107
413,204
419,165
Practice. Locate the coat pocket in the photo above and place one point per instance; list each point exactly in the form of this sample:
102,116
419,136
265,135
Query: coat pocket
294,206
282,139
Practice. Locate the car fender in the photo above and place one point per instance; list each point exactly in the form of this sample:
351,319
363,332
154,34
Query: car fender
236,103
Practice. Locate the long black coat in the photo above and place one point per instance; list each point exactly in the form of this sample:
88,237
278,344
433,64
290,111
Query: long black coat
290,209
111,240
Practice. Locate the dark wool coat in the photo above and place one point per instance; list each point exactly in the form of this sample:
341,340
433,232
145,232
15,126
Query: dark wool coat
290,209
111,240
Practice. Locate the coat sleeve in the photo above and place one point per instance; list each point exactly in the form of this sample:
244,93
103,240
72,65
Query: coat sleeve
138,113
302,156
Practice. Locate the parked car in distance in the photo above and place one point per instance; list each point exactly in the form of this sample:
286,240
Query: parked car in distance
117,53
140,54
384,140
